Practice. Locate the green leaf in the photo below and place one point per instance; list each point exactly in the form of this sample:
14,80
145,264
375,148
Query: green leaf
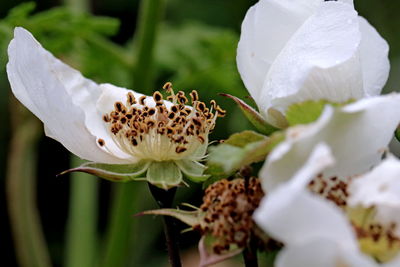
191,218
164,174
253,116
226,158
113,172
193,170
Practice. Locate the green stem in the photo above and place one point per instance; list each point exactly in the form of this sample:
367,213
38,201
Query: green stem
119,236
126,202
150,14
30,244
81,234
82,220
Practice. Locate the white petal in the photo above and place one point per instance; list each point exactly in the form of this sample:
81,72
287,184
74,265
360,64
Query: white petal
322,253
58,95
358,134
321,61
292,214
374,58
266,29
380,188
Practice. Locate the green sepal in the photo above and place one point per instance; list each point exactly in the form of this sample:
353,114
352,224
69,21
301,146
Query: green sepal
193,170
234,153
230,156
114,172
164,174
308,111
253,116
190,218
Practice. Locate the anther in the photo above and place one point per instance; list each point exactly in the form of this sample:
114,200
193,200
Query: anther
180,149
194,95
141,100
118,106
106,118
167,86
101,142
131,98
157,96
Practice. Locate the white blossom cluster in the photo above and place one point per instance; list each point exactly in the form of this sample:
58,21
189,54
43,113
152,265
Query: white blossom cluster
332,187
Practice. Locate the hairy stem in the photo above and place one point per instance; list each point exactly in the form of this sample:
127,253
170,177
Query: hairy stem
164,199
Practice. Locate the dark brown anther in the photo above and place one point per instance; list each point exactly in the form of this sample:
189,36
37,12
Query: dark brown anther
130,99
167,86
194,96
157,96
118,106
152,111
141,100
106,118
101,142
180,149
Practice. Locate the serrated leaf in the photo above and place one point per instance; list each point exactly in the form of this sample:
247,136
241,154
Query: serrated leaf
113,172
253,116
164,174
225,158
193,170
207,255
191,218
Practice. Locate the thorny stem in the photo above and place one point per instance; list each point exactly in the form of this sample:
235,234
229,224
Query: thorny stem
164,199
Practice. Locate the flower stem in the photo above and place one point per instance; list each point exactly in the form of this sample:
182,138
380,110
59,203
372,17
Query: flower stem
250,254
164,199
30,244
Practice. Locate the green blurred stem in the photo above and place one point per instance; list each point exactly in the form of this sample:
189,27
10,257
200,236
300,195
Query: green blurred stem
118,247
81,232
78,5
150,14
82,220
119,237
29,240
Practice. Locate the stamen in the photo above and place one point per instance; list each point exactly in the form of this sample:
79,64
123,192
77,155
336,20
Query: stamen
161,132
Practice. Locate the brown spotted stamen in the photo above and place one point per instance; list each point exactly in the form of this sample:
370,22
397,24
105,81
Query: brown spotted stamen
152,128
228,207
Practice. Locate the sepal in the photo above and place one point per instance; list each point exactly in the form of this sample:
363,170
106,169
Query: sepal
113,172
239,150
253,116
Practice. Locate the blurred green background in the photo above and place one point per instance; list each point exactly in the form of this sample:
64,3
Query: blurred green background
195,48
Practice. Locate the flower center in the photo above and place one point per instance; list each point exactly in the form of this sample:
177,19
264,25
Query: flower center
162,130
375,239
228,207
333,189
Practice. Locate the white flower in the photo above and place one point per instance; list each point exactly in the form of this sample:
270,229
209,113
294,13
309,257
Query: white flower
379,189
358,135
292,51
104,123
317,233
